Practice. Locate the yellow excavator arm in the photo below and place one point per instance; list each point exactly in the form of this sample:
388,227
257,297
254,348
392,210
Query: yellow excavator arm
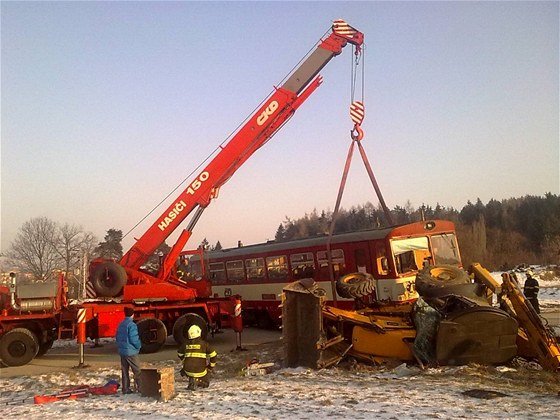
539,338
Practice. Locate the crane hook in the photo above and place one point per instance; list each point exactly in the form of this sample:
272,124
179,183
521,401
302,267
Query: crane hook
357,113
357,133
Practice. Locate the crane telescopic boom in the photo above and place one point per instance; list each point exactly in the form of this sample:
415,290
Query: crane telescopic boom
110,278
258,130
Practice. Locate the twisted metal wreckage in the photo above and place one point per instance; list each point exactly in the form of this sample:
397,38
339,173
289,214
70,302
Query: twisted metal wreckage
452,322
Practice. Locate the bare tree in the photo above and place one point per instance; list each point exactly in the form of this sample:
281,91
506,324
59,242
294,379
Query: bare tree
42,246
33,249
71,243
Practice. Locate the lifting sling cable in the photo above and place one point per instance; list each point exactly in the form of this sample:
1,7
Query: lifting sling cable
357,114
354,64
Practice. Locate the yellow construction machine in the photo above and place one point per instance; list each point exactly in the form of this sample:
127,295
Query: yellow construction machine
534,339
459,318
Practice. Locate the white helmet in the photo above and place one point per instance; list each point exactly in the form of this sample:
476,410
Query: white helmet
194,331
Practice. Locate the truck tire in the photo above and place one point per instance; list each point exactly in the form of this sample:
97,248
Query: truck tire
45,347
355,285
436,278
18,347
108,279
184,322
153,335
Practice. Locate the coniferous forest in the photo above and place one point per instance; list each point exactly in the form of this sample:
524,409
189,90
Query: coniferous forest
499,234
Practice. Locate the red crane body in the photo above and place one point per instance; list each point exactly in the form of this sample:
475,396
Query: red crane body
258,129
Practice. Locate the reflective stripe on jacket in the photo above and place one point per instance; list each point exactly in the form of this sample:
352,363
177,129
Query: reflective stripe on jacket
196,355
531,288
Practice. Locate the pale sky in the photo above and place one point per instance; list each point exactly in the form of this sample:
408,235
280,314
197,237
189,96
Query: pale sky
107,106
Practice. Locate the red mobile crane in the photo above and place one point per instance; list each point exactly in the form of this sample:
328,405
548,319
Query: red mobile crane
109,278
163,301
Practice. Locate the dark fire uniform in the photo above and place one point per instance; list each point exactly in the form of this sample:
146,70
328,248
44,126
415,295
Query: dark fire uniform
531,292
197,355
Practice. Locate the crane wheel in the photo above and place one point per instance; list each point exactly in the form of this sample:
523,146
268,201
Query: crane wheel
18,347
45,347
108,279
355,285
438,277
184,322
153,335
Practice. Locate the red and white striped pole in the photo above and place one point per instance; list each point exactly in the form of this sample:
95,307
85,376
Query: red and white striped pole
237,320
81,336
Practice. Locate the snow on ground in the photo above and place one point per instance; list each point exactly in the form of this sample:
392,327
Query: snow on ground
365,393
519,390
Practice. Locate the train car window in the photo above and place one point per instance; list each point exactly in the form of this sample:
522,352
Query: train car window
217,272
381,261
337,259
409,253
445,249
235,271
406,262
361,260
255,269
277,268
302,265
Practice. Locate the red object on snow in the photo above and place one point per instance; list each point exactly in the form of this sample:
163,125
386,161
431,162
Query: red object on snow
109,389
75,392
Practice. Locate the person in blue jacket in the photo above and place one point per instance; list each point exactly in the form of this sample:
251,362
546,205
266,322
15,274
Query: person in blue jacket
128,343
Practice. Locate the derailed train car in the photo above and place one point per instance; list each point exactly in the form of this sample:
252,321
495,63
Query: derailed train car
459,317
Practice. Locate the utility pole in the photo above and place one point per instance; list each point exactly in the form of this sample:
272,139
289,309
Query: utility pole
84,274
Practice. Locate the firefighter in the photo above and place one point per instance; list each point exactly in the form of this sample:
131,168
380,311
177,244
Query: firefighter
197,357
183,269
531,291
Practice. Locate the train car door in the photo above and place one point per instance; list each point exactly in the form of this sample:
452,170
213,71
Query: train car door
361,259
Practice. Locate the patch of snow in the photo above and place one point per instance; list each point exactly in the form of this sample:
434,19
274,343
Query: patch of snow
402,392
518,390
